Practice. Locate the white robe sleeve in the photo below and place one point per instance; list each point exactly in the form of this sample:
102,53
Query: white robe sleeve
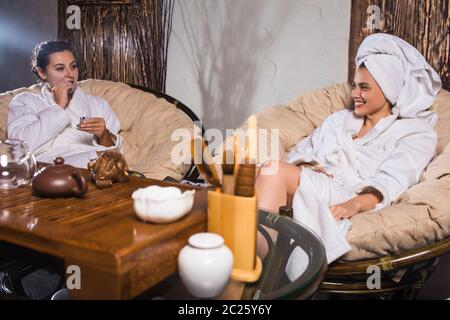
112,124
34,127
403,167
306,149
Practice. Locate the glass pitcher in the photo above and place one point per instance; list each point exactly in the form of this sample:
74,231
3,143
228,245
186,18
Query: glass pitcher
17,164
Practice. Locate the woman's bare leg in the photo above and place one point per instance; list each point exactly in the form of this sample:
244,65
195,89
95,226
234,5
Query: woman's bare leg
275,190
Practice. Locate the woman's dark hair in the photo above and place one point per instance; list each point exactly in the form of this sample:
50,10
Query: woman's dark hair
41,54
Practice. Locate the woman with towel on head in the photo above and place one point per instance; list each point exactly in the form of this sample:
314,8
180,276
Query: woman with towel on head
361,159
61,120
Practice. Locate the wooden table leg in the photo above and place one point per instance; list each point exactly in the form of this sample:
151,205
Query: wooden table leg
94,284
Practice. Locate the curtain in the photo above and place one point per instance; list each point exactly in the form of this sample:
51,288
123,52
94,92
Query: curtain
125,41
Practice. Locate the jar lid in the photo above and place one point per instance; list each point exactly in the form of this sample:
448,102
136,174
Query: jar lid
206,240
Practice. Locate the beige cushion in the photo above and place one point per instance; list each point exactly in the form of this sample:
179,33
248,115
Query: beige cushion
147,123
420,216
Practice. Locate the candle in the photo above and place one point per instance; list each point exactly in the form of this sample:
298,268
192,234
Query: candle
237,155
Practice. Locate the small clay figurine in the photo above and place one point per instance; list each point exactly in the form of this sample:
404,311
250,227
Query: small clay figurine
110,167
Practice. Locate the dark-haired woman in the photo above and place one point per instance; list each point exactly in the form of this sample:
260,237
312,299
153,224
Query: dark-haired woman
61,120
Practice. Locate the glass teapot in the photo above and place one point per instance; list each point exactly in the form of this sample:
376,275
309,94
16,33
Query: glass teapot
17,164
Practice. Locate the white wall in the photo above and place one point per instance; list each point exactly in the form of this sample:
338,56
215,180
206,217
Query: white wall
23,24
231,58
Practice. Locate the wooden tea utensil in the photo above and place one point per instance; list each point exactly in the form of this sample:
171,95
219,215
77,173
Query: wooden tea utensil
210,164
246,176
228,178
207,171
245,182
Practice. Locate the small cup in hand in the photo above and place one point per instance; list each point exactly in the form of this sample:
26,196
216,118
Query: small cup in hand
81,120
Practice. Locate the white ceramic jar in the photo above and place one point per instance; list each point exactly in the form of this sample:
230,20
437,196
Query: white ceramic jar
205,265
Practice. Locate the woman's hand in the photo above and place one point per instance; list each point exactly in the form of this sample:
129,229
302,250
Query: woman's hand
61,93
345,210
97,127
362,202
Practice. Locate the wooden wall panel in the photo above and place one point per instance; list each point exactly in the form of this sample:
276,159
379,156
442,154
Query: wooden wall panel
122,41
425,24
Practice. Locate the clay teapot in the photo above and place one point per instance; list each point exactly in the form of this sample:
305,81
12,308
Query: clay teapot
59,180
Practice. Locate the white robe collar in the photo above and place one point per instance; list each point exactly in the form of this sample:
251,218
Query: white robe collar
352,126
354,123
77,105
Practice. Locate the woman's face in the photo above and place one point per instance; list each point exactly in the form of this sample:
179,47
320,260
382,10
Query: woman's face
367,95
62,66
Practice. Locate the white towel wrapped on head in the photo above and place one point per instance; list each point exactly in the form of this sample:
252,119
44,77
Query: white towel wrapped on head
403,74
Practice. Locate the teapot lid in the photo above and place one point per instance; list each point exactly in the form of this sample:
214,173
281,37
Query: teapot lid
59,167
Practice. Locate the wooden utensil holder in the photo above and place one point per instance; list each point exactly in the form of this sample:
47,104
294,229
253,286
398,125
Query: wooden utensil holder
235,218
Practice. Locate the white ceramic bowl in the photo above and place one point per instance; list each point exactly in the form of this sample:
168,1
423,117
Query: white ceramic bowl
162,204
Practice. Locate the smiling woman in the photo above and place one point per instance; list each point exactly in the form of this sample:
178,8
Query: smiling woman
361,159
61,120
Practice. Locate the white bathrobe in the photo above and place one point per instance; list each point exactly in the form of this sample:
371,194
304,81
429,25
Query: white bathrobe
51,131
389,158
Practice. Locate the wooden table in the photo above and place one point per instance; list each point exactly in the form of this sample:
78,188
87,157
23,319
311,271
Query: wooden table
119,256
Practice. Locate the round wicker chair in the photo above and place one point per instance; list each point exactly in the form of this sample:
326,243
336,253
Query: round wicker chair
404,240
191,174
402,276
